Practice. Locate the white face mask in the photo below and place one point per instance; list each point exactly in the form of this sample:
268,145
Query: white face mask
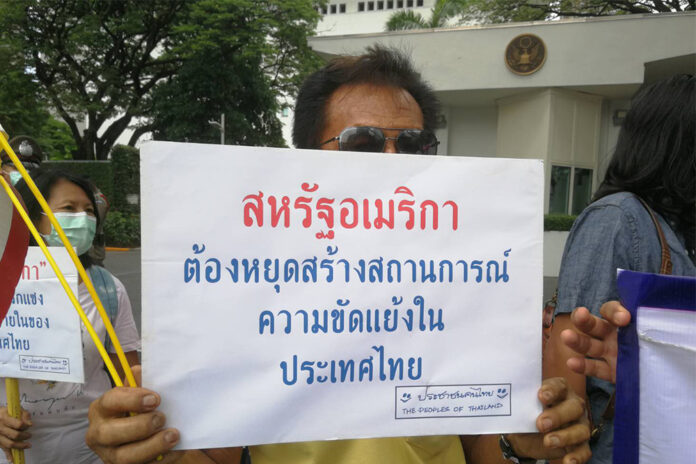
14,177
78,227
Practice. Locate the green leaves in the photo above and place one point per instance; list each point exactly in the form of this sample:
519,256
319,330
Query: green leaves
455,12
444,13
163,65
94,60
240,58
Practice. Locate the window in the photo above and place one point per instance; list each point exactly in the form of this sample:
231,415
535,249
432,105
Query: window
323,10
370,6
361,6
571,189
390,4
333,9
342,8
419,2
400,4
286,112
582,190
409,3
380,5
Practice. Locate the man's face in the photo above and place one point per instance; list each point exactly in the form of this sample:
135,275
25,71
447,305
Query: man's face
370,105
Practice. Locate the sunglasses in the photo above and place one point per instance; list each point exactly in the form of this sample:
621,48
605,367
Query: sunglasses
372,139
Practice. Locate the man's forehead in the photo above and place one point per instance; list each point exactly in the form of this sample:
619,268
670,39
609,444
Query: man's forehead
362,91
377,105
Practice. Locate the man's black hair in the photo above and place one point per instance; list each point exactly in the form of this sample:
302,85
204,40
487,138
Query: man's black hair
655,155
380,65
45,179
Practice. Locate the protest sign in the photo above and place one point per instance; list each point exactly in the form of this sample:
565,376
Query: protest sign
40,336
656,371
293,295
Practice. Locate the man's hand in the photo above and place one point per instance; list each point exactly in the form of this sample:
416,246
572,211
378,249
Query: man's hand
119,438
564,427
596,338
13,432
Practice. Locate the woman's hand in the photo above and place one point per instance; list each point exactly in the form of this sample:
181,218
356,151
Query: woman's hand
596,338
13,432
563,426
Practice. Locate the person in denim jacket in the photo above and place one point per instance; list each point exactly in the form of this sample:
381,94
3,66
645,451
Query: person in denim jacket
655,159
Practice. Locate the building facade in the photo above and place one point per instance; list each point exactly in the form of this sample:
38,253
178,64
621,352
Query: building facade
567,111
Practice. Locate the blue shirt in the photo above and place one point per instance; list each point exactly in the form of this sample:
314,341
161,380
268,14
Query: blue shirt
611,233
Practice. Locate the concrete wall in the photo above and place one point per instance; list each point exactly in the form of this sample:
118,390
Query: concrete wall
472,131
554,242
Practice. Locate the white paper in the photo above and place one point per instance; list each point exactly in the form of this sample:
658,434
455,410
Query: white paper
221,380
667,341
40,336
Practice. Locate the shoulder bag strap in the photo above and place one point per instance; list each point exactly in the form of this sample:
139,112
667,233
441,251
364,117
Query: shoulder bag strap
665,268
666,264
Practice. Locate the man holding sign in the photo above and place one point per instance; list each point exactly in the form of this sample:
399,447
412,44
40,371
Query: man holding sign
372,103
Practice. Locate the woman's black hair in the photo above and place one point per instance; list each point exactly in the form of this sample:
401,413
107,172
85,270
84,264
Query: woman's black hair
655,155
45,179
380,65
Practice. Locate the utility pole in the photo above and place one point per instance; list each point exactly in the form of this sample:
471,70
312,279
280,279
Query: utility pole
221,126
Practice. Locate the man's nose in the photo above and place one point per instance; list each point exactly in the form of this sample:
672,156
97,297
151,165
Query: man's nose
390,146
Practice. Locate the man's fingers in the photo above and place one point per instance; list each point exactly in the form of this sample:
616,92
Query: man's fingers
569,436
123,430
121,400
146,451
579,454
563,413
583,344
591,367
615,313
589,324
553,390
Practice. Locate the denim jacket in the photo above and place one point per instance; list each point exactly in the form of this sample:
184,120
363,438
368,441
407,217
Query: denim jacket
611,233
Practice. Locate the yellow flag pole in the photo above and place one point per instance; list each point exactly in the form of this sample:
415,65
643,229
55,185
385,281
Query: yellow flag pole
14,409
80,269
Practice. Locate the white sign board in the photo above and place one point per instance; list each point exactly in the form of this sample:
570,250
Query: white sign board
40,336
294,295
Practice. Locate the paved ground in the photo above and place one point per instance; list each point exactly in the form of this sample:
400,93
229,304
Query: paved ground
126,266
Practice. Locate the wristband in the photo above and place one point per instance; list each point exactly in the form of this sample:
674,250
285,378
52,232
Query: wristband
509,452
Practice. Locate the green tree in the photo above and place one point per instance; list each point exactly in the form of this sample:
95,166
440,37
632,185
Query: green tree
498,11
240,58
55,140
95,61
441,15
22,110
454,12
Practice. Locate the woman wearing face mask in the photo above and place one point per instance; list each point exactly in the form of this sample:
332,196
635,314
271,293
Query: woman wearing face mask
54,420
